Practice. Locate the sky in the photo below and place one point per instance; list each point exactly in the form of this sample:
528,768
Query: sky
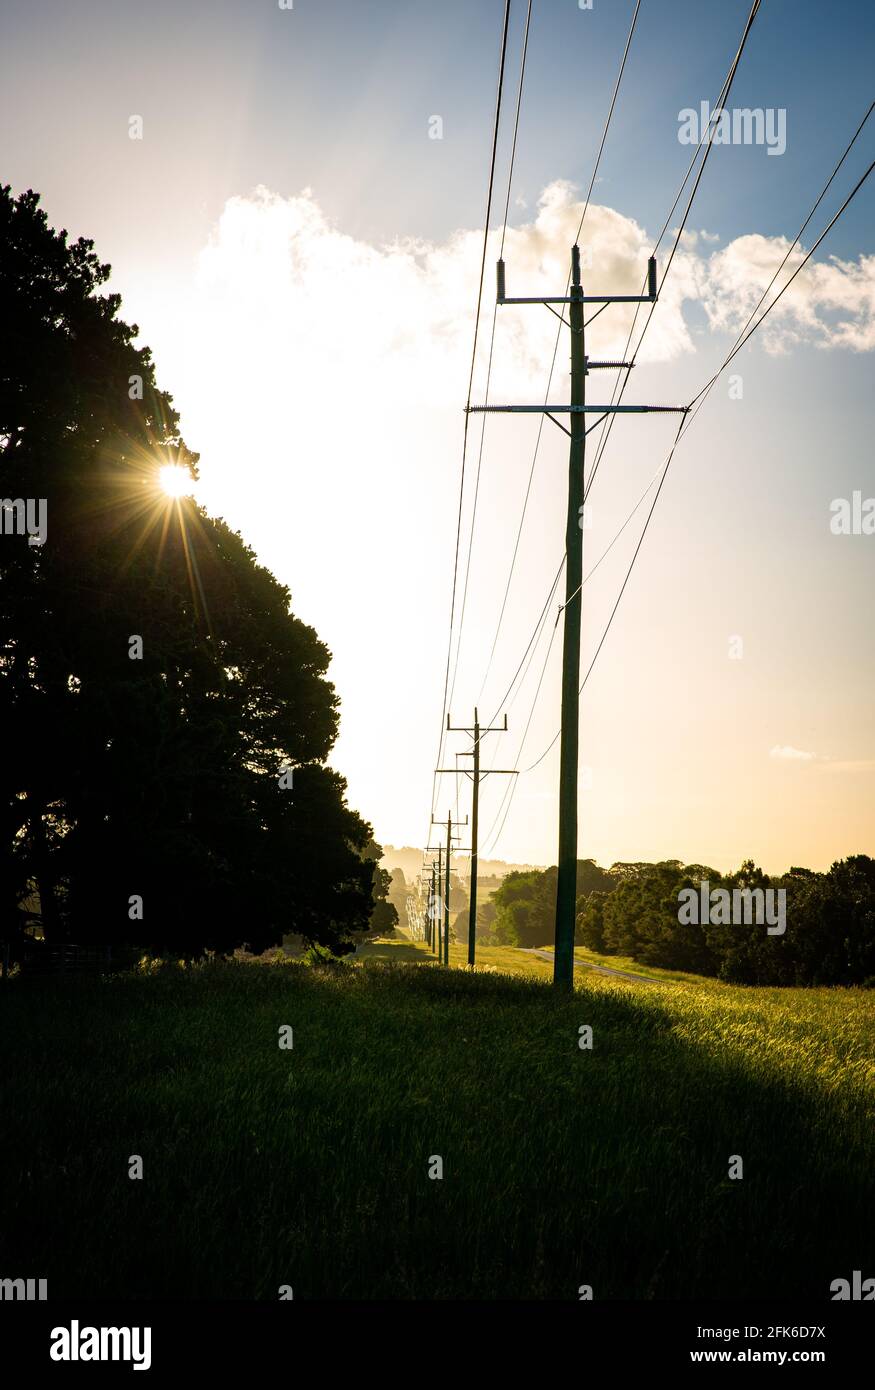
302,257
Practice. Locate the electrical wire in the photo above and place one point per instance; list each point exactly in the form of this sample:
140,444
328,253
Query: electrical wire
553,362
616,398
470,390
699,399
603,438
702,394
489,363
509,795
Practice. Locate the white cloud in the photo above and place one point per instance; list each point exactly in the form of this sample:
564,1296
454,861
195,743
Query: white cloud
690,239
322,379
830,304
295,326
395,322
786,753
281,257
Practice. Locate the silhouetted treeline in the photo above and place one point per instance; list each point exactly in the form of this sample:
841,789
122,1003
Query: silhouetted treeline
634,910
165,717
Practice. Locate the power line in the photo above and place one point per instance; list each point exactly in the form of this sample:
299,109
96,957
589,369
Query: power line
553,362
577,409
700,397
531,640
707,388
606,429
491,352
724,93
470,389
509,794
589,576
516,123
695,404
608,121
622,590
743,336
684,422
507,698
509,791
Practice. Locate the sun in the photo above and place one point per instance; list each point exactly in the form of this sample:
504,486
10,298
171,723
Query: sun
175,481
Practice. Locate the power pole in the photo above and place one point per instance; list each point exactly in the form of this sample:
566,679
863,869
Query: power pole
566,884
566,890
444,946
429,921
436,921
422,890
475,776
437,903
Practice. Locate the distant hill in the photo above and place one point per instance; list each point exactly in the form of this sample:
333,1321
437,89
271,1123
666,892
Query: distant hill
409,860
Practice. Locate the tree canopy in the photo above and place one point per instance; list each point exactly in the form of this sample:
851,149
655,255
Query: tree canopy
828,936
632,910
166,716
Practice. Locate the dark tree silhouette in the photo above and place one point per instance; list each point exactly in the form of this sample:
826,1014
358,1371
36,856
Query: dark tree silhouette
829,936
156,777
384,915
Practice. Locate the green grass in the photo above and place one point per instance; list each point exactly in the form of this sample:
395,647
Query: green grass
504,959
309,1167
650,972
513,961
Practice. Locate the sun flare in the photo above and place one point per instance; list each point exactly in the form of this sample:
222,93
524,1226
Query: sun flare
176,481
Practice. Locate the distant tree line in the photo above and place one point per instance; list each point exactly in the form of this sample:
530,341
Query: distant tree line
522,909
632,910
388,904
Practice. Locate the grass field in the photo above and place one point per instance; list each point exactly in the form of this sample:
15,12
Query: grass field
309,1167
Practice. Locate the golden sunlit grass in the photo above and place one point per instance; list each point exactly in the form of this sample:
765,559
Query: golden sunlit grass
812,1038
562,1164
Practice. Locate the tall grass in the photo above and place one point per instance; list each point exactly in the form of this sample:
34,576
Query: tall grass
309,1167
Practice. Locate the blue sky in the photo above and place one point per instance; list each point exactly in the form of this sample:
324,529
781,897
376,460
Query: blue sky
255,303
333,94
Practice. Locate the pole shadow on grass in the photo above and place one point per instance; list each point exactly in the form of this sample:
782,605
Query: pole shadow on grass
309,1167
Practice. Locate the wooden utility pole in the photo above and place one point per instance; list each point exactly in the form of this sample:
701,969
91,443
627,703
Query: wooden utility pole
437,902
436,921
431,901
449,890
425,890
444,945
566,884
475,776
566,890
